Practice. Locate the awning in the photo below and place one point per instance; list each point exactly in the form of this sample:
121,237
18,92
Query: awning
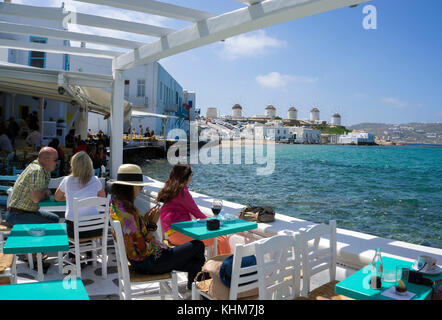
142,114
82,88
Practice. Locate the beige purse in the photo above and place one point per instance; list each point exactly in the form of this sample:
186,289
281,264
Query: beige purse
214,287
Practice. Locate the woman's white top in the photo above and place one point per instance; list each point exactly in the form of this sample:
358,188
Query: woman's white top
72,188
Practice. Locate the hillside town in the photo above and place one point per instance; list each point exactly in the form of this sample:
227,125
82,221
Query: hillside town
268,126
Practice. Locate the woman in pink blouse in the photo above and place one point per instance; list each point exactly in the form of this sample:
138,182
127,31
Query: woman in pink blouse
178,206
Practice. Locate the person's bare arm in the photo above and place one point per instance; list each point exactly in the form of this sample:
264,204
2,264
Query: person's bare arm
39,195
59,195
101,193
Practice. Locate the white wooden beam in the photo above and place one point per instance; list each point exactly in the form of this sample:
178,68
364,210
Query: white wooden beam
33,46
254,17
82,19
16,28
156,8
115,24
46,13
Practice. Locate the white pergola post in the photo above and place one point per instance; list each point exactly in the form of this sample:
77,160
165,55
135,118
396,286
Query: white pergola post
117,119
84,123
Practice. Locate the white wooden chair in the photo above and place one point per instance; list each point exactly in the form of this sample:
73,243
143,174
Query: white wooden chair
316,259
278,259
243,278
134,285
88,223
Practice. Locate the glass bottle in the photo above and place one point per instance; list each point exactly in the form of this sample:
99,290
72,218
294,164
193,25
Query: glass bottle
377,269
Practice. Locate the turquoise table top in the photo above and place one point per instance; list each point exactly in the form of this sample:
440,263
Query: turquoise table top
46,290
357,285
198,229
51,202
21,242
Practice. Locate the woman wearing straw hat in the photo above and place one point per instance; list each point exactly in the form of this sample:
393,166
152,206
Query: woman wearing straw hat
143,251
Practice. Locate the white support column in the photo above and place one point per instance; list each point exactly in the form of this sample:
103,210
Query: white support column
84,123
117,118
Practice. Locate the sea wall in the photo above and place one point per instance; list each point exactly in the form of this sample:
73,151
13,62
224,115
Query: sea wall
354,249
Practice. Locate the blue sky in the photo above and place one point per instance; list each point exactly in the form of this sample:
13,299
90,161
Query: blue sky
392,74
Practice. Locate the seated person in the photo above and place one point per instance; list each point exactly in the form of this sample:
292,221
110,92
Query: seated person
147,133
81,147
34,138
143,251
69,140
55,143
178,205
5,142
30,188
80,184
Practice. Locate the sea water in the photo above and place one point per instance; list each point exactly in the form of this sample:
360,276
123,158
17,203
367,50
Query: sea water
390,191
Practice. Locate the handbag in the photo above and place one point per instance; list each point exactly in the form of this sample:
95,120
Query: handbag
257,214
209,280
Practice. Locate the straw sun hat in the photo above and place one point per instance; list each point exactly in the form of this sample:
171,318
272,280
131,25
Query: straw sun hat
131,175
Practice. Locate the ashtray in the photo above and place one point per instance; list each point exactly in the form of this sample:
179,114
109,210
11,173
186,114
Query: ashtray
229,217
37,232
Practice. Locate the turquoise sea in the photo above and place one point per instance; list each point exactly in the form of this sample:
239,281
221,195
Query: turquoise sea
393,192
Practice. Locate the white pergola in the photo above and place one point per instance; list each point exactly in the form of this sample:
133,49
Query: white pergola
205,28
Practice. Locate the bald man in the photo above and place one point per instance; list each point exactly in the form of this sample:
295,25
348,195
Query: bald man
30,188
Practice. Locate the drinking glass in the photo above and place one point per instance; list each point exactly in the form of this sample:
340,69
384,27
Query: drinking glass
401,279
217,205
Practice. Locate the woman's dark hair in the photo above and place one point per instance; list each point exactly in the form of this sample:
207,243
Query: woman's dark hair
123,192
175,184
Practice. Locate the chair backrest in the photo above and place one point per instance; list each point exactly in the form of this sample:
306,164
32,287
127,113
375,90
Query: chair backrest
278,259
315,258
91,222
243,278
122,262
97,172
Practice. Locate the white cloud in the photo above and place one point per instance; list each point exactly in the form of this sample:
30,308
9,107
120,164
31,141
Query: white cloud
395,102
399,103
278,80
273,80
247,45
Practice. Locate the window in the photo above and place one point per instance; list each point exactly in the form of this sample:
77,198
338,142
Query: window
161,90
37,58
126,88
141,88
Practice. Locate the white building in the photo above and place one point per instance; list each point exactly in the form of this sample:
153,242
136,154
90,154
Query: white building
336,119
357,138
292,114
314,114
275,133
305,135
149,88
211,113
270,111
189,98
236,111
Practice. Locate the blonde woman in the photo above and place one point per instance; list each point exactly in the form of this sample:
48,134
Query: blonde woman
82,183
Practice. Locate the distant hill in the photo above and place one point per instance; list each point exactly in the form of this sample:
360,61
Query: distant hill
408,133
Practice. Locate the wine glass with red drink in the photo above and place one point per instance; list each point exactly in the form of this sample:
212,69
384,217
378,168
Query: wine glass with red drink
217,205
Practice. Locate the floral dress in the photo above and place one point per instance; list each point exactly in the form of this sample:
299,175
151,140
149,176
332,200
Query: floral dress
138,245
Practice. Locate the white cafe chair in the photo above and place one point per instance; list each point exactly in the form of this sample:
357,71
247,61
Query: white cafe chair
316,258
134,285
243,278
279,267
78,246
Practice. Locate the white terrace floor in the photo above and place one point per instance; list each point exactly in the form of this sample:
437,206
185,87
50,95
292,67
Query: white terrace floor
107,289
